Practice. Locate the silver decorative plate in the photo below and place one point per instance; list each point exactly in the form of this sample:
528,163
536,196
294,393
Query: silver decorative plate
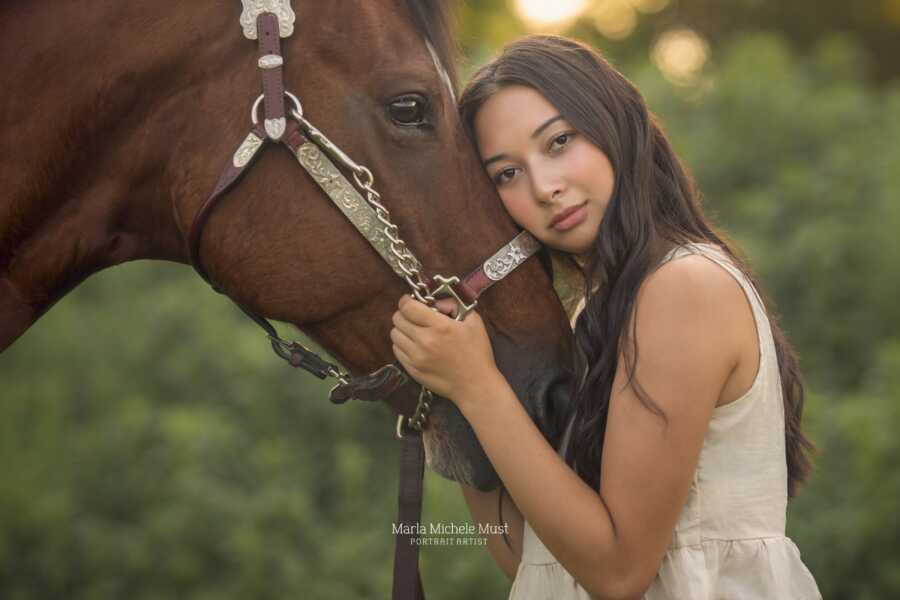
280,8
511,256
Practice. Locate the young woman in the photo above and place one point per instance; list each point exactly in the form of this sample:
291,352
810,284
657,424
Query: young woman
684,439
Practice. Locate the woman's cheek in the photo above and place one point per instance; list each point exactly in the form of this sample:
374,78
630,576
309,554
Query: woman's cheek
518,210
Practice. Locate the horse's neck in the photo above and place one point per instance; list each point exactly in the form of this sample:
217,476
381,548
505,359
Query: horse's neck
84,167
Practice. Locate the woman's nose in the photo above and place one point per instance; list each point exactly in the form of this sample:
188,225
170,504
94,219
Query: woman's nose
547,185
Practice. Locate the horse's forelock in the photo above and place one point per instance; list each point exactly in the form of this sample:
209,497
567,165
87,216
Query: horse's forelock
433,20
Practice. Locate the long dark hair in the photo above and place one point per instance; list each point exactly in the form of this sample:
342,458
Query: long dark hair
654,207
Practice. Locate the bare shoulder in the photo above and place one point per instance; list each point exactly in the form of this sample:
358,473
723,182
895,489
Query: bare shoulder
692,309
692,286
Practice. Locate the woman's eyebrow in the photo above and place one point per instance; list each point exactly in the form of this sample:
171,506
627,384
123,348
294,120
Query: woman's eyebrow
546,124
534,134
494,159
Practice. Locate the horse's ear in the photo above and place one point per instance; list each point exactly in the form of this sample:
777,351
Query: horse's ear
546,261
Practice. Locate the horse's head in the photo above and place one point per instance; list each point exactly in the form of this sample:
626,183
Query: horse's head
367,78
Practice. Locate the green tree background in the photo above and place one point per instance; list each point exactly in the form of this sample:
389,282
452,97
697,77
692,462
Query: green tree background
152,447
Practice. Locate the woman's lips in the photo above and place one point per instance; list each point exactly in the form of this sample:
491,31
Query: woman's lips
569,218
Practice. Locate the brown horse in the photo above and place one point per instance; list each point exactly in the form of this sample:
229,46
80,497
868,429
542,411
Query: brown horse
118,116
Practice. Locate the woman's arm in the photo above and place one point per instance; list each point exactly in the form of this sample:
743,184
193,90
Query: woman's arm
612,539
483,506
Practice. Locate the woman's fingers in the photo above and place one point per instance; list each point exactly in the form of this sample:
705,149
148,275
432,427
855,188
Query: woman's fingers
403,324
416,312
403,341
448,306
404,359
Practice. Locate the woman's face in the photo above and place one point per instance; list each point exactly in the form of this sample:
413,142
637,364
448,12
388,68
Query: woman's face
553,181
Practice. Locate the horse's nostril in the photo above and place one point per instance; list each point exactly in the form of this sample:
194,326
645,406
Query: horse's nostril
551,406
560,401
560,394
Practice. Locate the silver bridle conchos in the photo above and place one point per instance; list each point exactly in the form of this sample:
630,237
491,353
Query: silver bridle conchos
317,154
280,8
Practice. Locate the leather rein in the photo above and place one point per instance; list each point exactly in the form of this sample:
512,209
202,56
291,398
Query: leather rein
268,21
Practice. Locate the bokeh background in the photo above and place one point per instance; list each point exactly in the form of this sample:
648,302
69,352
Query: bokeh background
152,447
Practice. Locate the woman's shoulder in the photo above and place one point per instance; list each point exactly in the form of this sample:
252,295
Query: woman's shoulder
692,295
691,275
691,325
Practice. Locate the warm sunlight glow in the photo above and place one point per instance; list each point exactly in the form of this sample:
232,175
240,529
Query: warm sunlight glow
892,10
649,6
549,12
680,55
615,19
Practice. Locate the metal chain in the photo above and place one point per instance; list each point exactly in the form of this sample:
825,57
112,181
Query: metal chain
400,250
413,276
366,181
406,261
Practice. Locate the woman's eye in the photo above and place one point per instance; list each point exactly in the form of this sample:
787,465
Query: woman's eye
408,110
561,140
504,176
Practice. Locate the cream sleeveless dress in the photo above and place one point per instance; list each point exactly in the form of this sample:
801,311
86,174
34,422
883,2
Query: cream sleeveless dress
729,542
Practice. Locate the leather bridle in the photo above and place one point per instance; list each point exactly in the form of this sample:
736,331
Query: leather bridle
268,21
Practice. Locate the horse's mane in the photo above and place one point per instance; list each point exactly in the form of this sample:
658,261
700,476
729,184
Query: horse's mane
433,19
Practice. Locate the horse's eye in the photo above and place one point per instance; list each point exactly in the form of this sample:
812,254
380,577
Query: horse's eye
408,110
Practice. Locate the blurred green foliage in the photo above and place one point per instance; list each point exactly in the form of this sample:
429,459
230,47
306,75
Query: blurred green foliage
152,447
799,161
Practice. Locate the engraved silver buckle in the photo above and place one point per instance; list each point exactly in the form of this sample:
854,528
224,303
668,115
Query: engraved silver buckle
279,8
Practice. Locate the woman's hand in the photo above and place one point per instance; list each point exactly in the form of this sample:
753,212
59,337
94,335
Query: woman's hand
451,358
